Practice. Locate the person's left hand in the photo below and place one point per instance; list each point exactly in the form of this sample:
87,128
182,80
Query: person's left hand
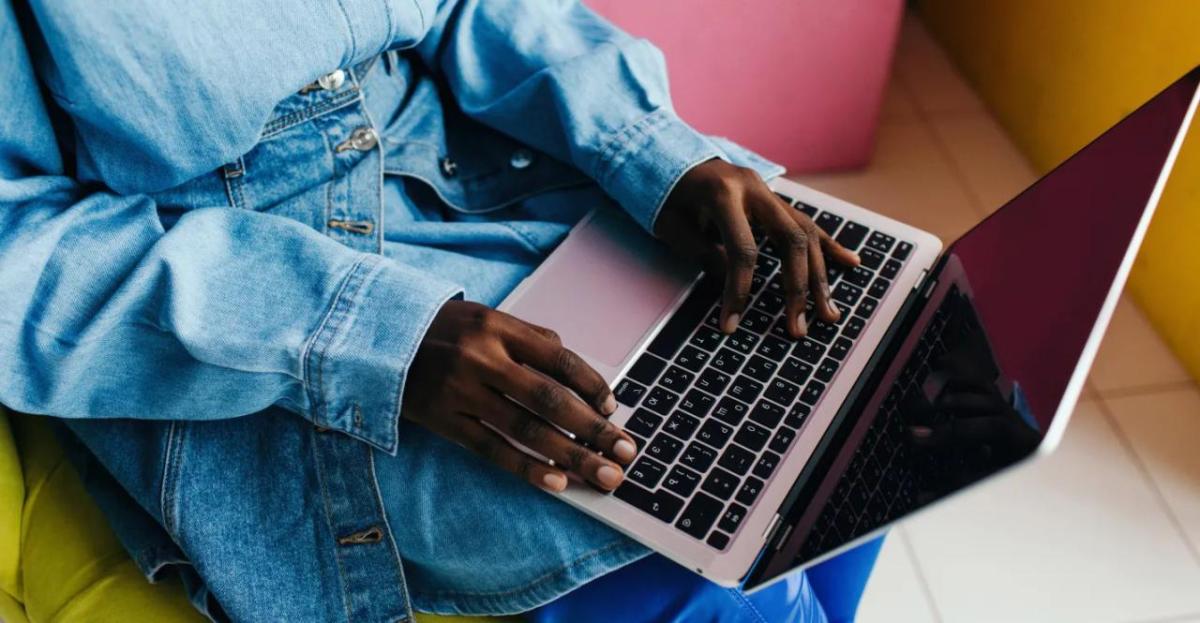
708,216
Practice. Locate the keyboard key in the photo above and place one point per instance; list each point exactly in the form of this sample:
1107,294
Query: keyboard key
676,379
795,370
879,287
866,307
664,448
736,459
826,370
713,381
845,313
782,440
833,272
769,302
765,265
698,457
829,222
757,282
660,401
682,322
822,331
870,258
720,483
730,411
718,540
647,369
809,350
902,251
643,423
852,235
714,433
753,436
692,358
647,472
774,348
732,518
728,361
742,341
766,465
707,338
847,293
749,491
859,276
840,348
766,413
805,208
697,403
813,393
681,425
881,242
756,321
699,515
745,389
796,415
760,368
661,505
890,269
629,393
713,319
854,326
782,391
682,481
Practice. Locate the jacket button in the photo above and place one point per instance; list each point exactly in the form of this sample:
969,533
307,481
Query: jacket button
449,167
333,80
362,139
521,159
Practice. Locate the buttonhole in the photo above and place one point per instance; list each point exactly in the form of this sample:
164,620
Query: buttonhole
355,227
370,535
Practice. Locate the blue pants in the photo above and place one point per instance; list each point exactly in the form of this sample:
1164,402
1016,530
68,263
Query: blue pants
654,590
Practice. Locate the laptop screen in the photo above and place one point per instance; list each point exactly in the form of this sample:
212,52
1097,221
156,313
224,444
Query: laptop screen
986,362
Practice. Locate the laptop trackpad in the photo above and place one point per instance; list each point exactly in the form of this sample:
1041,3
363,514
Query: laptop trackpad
603,288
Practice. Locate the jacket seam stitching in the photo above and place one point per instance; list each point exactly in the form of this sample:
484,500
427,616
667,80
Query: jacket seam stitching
322,335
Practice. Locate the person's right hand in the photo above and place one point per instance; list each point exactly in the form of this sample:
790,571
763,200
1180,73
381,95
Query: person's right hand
473,359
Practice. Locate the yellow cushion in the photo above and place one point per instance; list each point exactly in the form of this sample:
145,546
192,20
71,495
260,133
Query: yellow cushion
59,560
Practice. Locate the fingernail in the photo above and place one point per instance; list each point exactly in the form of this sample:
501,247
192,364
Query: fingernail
609,476
801,324
855,258
833,309
624,450
731,322
609,406
554,481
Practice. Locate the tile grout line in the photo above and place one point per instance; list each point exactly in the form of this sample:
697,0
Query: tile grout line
1148,388
1192,548
1175,618
920,573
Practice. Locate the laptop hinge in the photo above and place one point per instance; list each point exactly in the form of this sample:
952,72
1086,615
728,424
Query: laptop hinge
770,531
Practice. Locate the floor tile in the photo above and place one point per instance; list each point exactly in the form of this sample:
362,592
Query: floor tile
931,78
898,104
894,593
909,179
993,169
1164,430
1133,355
1078,536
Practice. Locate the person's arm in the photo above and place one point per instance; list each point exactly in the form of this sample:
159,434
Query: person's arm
103,314
560,78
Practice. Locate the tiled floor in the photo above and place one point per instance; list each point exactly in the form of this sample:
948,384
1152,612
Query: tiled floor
1107,529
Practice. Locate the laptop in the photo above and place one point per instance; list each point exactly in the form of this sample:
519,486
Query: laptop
759,454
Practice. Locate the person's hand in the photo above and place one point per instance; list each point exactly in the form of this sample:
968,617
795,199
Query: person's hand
708,215
473,359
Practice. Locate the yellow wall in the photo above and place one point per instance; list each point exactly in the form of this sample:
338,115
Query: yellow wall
1057,73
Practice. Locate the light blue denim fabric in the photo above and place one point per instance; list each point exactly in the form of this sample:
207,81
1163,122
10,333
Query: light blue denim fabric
218,277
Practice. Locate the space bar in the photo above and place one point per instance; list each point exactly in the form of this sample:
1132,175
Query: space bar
685,320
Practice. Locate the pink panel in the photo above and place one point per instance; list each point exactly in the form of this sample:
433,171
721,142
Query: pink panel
799,81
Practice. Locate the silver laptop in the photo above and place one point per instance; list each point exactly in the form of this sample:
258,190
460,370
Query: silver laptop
760,454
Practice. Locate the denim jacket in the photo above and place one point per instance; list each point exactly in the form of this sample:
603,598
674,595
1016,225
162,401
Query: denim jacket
197,274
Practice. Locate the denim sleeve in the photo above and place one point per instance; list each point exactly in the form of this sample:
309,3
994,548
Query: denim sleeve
104,314
560,78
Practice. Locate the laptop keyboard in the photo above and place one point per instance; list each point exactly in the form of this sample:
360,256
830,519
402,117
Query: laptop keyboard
714,415
884,478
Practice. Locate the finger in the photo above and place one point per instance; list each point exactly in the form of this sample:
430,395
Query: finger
531,431
741,253
791,243
840,254
557,405
542,349
819,280
492,447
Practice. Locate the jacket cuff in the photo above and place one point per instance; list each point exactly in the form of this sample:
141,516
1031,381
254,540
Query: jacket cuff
356,363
